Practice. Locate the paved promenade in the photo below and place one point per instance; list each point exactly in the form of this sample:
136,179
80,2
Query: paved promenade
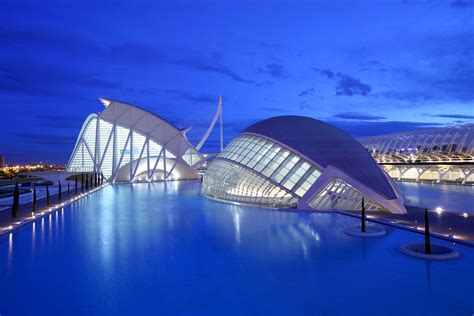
457,225
26,209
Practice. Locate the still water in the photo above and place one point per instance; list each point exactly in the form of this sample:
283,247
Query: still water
162,249
450,197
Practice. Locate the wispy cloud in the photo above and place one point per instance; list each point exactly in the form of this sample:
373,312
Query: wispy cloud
212,65
192,97
359,116
46,139
309,91
347,85
131,52
22,76
325,72
59,121
447,73
368,128
462,4
275,70
274,109
454,116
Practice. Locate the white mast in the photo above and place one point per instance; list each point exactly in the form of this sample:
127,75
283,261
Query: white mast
218,115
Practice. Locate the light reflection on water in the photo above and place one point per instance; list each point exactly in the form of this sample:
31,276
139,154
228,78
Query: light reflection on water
451,197
149,249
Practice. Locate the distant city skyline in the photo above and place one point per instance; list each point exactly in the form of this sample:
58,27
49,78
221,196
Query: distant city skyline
369,68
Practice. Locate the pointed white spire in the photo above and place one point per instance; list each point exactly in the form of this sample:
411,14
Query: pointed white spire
211,127
105,102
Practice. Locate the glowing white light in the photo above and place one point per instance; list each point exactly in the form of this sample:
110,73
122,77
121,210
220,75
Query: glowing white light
105,102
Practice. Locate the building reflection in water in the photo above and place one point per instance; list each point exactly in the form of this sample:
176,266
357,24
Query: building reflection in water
236,218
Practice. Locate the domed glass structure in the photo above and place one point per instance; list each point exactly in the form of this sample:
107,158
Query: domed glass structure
299,162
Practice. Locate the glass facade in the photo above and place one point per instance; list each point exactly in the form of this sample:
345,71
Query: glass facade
108,147
255,170
341,196
228,181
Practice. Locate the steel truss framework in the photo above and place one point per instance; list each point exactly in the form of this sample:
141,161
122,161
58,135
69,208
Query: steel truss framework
438,145
439,155
339,195
129,144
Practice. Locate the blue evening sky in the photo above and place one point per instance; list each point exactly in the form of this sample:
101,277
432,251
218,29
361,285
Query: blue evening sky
369,67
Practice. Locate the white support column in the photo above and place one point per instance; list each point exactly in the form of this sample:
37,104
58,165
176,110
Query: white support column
114,153
134,173
164,162
171,170
121,156
97,145
131,156
148,158
89,150
107,145
156,163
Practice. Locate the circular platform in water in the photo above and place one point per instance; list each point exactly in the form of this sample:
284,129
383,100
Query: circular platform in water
438,252
370,231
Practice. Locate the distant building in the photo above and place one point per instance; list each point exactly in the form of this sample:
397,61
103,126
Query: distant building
2,161
443,154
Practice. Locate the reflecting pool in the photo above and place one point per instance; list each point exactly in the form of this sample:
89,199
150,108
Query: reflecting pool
162,249
451,197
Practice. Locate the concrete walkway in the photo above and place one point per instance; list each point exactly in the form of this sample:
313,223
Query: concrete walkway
26,209
457,225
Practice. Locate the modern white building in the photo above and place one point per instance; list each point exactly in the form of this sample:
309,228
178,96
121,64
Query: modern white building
129,144
300,162
443,154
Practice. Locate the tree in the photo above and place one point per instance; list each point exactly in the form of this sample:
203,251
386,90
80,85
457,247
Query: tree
82,182
87,183
16,202
362,218
427,234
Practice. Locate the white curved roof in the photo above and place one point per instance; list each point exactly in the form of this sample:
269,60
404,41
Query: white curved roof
326,145
130,144
147,123
293,160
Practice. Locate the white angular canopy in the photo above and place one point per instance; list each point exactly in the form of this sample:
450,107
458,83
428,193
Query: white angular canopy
130,144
